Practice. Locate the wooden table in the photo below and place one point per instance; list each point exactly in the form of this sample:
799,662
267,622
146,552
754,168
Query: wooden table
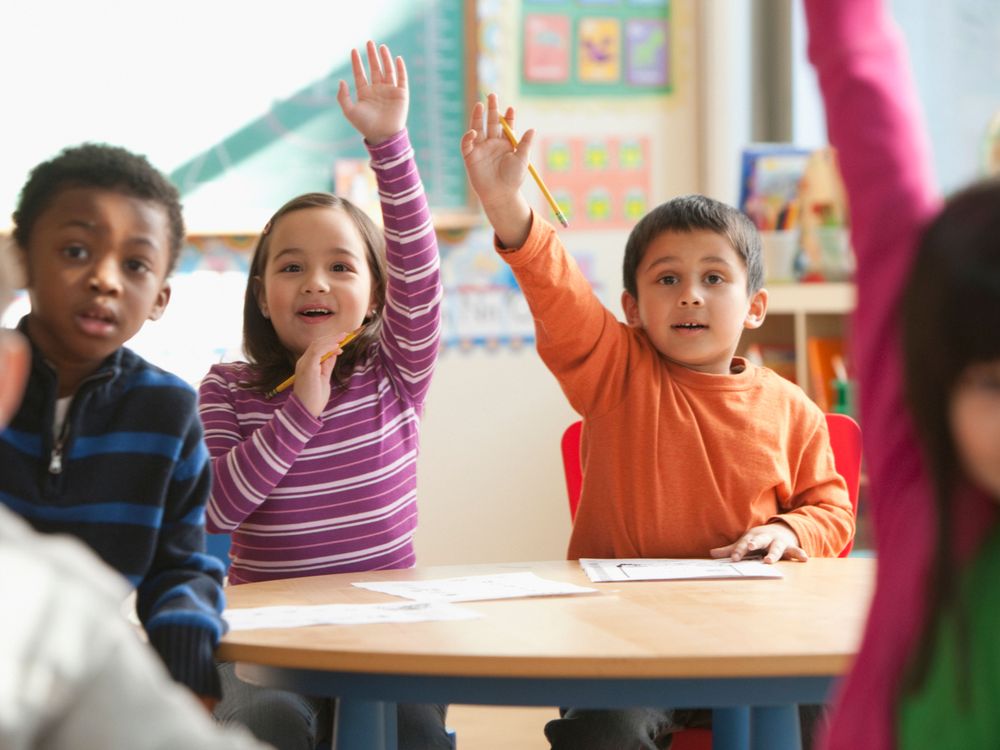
750,649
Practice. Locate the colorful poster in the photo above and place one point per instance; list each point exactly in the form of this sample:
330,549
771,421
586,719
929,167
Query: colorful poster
608,47
546,48
483,307
599,50
646,59
354,180
599,183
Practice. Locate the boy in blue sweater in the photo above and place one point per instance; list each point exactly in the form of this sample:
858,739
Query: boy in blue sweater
105,446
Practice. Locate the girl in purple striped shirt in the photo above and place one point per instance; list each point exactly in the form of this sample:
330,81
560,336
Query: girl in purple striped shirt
321,477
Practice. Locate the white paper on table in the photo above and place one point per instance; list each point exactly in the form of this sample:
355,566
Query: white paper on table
666,569
253,618
476,588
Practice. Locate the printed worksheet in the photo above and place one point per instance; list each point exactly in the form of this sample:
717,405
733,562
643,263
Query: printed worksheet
254,618
476,588
667,569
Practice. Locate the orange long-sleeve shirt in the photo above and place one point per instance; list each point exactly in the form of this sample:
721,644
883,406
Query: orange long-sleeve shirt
675,461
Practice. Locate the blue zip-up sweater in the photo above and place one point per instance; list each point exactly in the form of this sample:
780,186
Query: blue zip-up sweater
130,476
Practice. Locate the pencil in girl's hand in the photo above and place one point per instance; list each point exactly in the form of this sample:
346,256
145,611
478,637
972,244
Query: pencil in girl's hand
538,180
291,378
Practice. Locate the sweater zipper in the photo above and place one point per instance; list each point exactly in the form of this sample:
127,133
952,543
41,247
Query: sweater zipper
55,460
56,457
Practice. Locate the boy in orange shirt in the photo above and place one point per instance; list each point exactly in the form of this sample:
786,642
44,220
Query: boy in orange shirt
687,450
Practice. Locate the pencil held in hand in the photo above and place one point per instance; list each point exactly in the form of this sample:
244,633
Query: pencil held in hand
285,384
538,180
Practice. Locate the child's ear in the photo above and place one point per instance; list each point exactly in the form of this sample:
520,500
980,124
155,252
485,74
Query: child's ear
258,293
631,307
162,298
15,358
758,309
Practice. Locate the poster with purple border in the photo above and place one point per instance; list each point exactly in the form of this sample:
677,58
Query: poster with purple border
646,60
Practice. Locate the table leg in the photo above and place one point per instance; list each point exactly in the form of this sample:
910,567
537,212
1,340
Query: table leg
364,725
775,728
731,728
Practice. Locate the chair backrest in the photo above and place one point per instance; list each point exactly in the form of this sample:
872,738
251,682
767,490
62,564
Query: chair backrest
571,465
845,440
217,545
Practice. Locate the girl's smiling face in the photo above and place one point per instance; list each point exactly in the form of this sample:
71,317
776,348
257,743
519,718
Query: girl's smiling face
316,280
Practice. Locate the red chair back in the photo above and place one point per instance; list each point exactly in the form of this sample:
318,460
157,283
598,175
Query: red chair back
571,465
845,440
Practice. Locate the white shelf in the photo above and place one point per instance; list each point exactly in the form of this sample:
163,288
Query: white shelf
811,298
797,312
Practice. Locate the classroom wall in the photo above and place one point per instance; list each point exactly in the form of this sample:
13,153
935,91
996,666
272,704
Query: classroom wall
490,474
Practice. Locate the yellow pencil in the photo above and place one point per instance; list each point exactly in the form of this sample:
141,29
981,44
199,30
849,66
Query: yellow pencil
538,180
291,378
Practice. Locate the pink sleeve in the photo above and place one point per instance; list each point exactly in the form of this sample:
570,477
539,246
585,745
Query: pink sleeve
412,315
245,469
875,123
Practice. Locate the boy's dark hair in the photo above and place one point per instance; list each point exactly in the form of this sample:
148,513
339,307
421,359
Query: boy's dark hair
689,213
98,165
950,316
271,360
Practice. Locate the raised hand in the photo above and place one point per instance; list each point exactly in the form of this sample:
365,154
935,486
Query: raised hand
496,171
383,99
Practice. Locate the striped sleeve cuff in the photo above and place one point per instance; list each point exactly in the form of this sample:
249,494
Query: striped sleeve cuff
390,148
189,654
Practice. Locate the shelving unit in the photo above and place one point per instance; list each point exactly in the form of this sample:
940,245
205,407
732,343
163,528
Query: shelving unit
796,312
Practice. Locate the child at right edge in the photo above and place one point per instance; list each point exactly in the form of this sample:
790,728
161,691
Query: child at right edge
687,450
926,344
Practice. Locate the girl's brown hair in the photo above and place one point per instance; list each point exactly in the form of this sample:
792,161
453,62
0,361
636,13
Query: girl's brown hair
949,318
271,362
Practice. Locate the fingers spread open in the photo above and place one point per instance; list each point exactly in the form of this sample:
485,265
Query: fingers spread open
374,69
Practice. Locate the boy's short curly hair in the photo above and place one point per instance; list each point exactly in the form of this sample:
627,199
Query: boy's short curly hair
98,165
690,213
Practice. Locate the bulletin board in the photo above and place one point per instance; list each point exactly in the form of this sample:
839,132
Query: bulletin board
595,47
237,105
294,146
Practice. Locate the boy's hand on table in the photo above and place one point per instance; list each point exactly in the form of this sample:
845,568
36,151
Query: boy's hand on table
773,541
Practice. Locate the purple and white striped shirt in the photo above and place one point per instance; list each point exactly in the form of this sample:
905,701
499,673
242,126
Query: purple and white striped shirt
305,496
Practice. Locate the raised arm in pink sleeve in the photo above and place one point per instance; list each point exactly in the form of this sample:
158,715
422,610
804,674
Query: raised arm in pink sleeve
874,122
412,317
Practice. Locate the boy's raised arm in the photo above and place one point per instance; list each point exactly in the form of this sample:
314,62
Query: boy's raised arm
496,172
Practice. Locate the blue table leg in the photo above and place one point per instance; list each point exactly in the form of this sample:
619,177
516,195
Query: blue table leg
775,728
731,728
364,725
